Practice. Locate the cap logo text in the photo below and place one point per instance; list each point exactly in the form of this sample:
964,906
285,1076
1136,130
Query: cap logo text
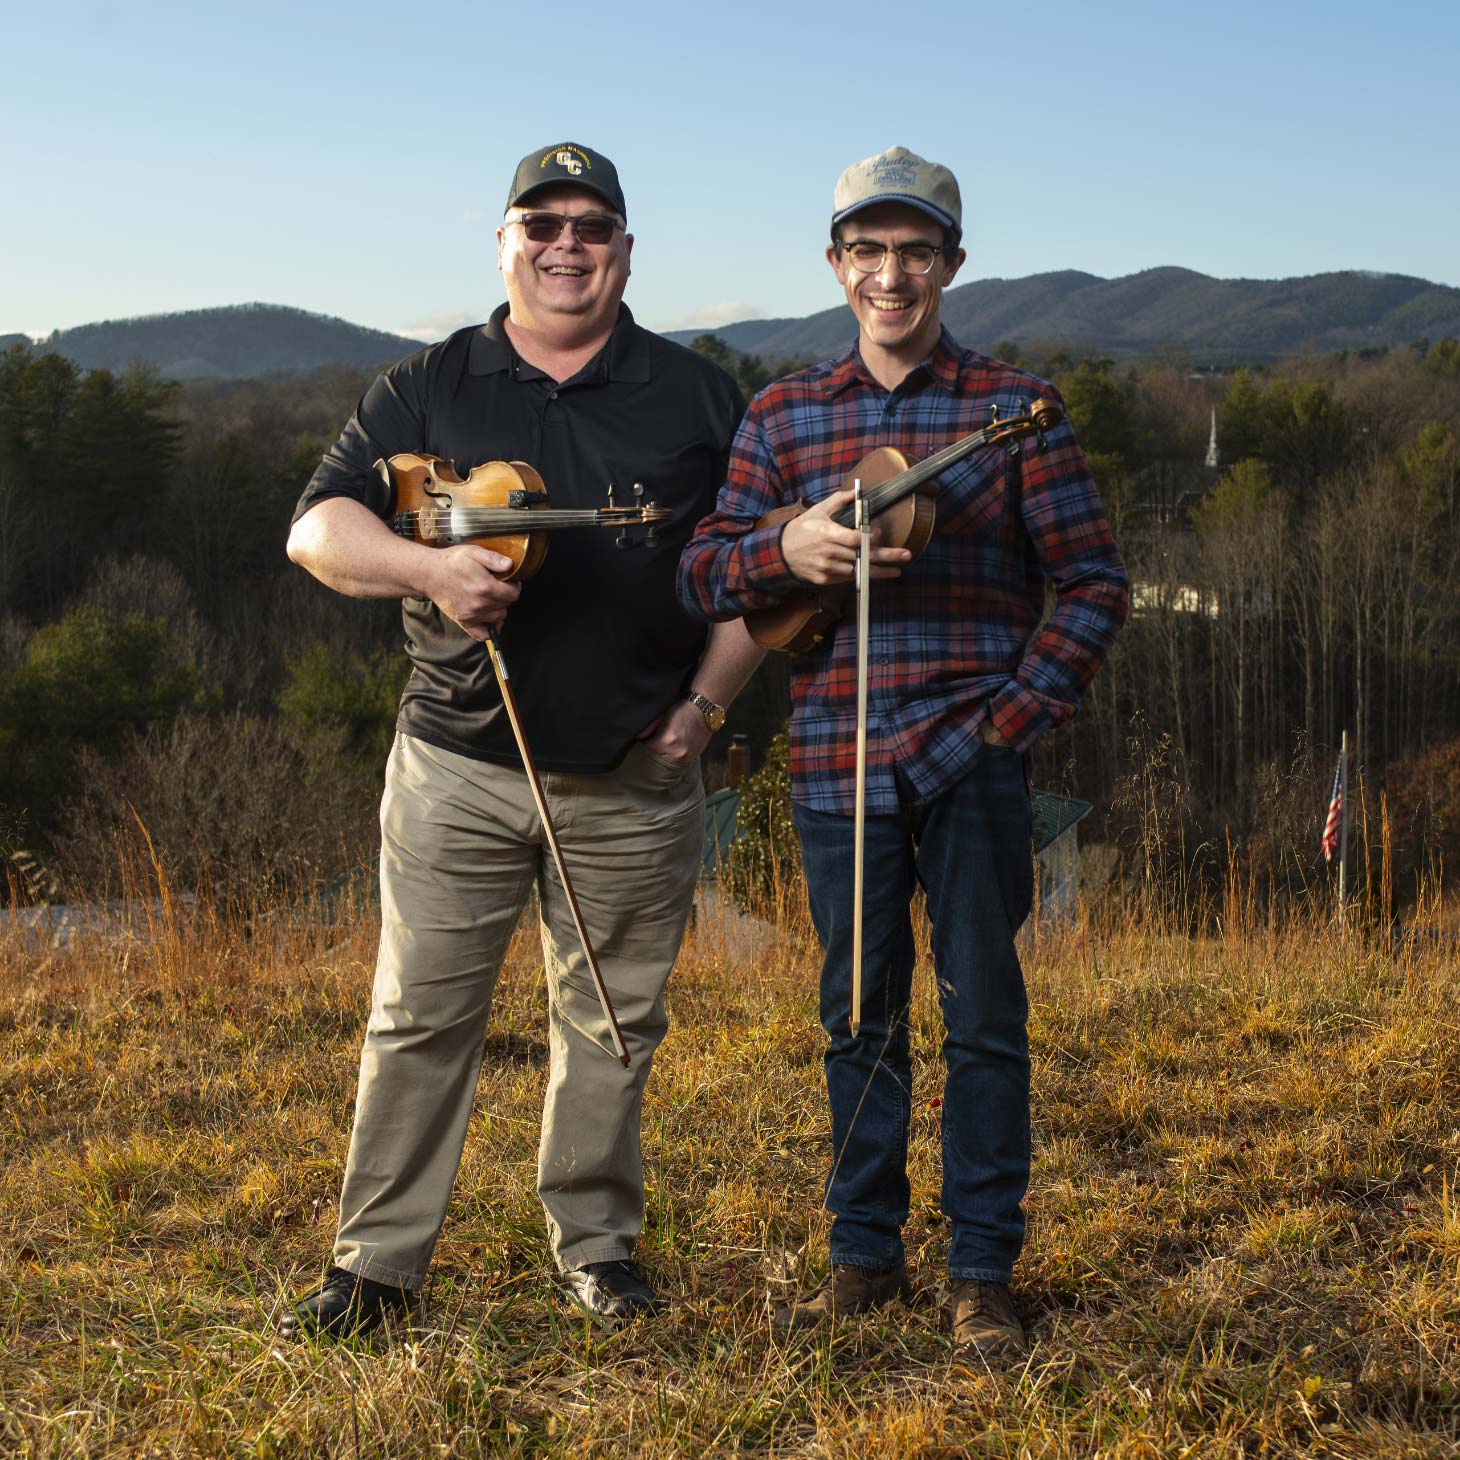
894,173
570,159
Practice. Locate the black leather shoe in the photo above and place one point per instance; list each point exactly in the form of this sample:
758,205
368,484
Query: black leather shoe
612,1291
345,1305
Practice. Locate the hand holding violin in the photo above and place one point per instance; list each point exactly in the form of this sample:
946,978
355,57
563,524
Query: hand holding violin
486,531
821,551
465,583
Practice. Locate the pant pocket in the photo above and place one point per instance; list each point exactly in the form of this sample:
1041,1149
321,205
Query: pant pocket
657,771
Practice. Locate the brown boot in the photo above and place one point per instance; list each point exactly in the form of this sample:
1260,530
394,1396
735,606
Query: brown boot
985,1320
846,1292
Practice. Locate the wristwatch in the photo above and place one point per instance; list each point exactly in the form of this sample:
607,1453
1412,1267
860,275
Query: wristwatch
714,714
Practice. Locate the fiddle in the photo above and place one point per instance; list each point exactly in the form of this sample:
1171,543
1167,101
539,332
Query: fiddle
900,500
500,505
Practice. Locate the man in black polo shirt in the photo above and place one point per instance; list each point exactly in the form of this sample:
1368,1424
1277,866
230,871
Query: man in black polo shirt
619,692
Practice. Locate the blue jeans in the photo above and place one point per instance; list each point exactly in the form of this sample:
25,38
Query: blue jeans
969,850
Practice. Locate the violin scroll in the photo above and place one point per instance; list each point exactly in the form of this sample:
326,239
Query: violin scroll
1046,415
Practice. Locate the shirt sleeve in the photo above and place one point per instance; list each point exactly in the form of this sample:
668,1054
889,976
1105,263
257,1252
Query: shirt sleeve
390,418
730,565
1071,539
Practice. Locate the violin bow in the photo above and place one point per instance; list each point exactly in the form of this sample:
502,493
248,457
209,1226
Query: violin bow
863,578
509,701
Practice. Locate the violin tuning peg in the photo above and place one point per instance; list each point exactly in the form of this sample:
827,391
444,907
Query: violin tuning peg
622,540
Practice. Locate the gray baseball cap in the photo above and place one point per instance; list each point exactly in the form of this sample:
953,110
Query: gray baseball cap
567,164
898,176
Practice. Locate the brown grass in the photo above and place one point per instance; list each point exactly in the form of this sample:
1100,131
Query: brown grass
1244,1236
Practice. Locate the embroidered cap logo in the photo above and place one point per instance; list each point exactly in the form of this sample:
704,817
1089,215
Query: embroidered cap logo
569,161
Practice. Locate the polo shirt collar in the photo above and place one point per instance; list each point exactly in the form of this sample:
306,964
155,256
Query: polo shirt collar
625,357
941,367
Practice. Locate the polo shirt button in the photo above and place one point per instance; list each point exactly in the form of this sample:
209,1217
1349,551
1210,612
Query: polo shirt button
552,395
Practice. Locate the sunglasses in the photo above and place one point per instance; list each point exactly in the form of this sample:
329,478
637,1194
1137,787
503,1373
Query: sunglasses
548,227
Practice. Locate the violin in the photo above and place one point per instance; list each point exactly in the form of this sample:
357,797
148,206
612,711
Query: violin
501,505
900,498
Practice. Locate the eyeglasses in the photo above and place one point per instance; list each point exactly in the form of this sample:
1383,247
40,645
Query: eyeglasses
915,258
548,227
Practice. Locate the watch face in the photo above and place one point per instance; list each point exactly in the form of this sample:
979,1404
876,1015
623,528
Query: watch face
714,714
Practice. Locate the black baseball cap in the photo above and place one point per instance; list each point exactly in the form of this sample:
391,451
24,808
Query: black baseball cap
567,164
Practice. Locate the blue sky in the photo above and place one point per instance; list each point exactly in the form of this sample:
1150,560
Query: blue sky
354,159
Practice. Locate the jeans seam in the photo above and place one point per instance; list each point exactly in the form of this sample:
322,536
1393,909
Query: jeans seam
863,1261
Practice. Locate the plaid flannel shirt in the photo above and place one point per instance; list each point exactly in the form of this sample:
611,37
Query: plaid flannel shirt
958,637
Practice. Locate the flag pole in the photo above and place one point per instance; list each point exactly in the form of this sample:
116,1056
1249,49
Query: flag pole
1343,829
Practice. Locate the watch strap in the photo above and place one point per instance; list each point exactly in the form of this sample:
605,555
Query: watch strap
714,714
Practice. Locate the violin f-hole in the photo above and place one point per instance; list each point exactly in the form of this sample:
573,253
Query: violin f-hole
444,497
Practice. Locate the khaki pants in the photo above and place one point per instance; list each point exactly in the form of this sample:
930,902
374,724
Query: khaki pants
461,847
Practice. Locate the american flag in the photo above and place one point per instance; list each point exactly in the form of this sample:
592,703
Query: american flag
1329,844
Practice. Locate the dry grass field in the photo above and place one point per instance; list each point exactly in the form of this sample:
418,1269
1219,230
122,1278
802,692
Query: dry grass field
1244,1229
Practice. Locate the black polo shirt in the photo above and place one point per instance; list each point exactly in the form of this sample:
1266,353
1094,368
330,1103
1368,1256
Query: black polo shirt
597,644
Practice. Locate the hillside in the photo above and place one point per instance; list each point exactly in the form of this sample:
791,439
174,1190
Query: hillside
236,342
1209,320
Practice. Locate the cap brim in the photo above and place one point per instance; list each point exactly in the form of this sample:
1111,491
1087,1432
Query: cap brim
937,214
566,182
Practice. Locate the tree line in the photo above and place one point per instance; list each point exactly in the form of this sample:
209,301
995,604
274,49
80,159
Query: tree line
1302,586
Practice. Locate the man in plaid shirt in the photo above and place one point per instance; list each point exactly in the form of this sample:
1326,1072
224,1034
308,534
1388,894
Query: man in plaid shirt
966,675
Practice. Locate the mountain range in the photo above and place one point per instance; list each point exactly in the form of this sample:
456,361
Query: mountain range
1209,321
1206,320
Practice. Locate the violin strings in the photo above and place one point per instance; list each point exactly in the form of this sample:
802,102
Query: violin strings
511,519
894,488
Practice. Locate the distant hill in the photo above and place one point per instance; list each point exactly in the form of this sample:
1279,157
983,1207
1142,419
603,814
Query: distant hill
1208,320
237,342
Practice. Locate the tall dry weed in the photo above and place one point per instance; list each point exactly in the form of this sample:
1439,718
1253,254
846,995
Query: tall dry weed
234,808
